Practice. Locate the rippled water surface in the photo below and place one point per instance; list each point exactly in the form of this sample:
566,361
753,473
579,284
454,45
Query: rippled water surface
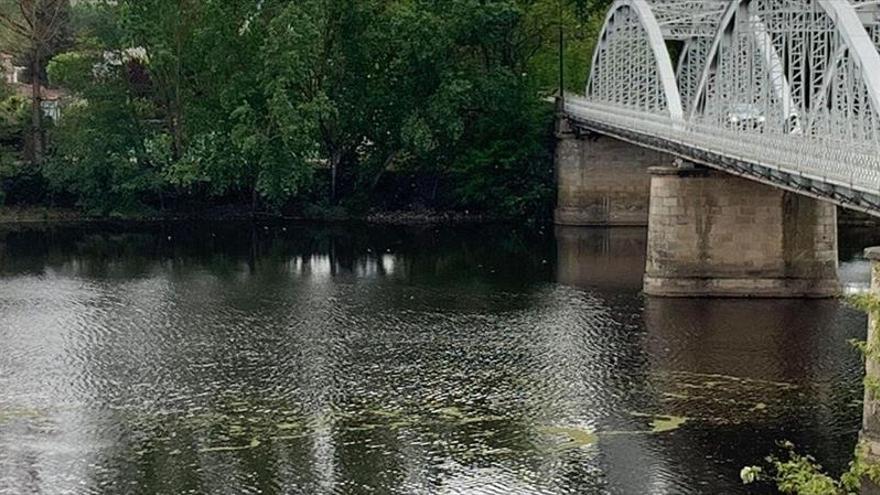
473,360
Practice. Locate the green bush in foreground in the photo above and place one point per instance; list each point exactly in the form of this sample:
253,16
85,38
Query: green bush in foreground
799,474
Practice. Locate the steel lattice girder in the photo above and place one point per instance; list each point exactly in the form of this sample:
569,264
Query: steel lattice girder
631,65
684,19
802,77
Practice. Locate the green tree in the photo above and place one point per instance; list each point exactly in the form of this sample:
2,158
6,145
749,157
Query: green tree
100,151
13,118
236,96
421,85
477,123
36,29
232,83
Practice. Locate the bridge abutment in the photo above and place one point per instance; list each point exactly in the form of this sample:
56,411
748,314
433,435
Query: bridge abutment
871,414
601,180
869,437
712,234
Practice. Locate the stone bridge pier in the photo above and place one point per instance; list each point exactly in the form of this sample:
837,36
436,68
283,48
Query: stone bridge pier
710,234
602,181
715,234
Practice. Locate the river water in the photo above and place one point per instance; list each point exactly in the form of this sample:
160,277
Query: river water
238,358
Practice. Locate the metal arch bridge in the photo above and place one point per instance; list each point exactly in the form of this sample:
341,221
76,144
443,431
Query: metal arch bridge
786,92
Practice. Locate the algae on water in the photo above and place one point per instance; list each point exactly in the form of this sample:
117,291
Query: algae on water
11,414
662,424
232,448
576,437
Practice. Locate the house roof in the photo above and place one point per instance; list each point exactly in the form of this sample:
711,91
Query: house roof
25,90
47,94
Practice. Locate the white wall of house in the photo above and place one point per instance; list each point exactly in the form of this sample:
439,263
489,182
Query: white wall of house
11,74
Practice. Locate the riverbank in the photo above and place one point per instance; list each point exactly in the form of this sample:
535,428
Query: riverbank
419,216
40,214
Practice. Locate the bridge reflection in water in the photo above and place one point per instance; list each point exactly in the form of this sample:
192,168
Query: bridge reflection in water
773,366
602,258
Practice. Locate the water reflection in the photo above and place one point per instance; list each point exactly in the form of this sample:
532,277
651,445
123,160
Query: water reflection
754,366
603,258
855,271
301,359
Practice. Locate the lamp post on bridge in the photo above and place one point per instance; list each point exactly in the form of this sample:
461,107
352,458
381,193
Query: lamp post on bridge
561,97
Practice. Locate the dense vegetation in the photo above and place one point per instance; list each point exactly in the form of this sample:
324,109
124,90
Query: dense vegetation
313,105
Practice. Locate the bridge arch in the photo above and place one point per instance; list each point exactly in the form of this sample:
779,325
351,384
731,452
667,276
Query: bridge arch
819,71
631,66
788,95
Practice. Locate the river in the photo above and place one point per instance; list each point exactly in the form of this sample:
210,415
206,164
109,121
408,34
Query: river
305,359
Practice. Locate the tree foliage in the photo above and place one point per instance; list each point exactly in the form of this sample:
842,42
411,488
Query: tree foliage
799,474
278,100
36,30
13,116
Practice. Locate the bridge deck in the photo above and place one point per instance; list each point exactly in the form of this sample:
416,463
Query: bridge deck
822,168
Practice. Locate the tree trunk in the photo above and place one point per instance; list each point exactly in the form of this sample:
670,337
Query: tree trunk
161,201
387,163
335,159
434,189
36,111
178,103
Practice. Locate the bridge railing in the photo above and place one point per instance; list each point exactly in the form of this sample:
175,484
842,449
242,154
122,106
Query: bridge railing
822,160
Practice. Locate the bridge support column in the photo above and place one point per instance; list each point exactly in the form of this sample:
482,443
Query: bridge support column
870,434
601,180
717,235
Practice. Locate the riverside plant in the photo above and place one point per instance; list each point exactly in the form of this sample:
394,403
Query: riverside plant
799,474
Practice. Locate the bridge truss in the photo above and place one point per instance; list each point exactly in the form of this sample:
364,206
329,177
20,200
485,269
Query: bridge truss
786,92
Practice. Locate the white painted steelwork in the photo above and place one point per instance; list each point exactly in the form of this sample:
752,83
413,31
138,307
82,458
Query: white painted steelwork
686,19
783,91
631,48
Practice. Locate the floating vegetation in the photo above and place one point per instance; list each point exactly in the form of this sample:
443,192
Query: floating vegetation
364,427
662,424
715,379
486,418
453,412
575,437
498,451
19,413
673,396
466,417
384,413
255,442
283,438
722,399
